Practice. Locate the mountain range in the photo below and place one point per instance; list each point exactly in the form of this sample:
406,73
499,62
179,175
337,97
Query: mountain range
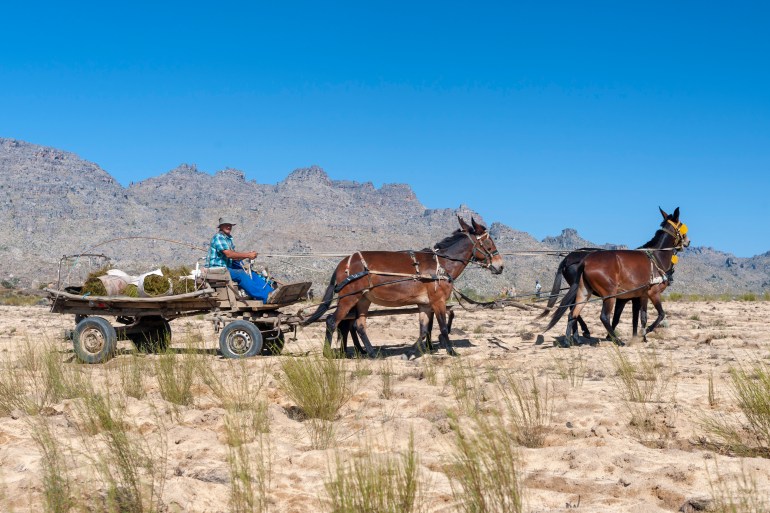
53,203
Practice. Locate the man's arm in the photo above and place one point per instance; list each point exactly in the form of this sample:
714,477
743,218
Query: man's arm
238,255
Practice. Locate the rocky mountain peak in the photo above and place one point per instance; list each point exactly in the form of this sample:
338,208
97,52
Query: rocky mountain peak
230,173
312,174
567,239
185,169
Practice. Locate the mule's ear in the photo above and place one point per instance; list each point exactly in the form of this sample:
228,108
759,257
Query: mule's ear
663,213
676,215
478,229
463,224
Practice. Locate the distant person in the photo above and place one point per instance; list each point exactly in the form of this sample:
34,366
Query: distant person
512,291
222,254
537,288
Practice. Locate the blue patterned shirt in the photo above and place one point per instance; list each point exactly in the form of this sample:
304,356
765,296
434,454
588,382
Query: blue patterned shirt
219,243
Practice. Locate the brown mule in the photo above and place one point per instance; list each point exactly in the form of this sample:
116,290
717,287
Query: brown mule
400,278
624,274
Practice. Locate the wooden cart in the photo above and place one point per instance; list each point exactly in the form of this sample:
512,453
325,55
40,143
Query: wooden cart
246,327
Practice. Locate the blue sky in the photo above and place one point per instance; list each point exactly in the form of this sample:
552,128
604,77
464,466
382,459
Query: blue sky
540,115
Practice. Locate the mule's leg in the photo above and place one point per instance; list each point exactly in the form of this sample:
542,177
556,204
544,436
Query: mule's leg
608,305
347,327
344,306
439,311
635,309
643,316
444,334
360,325
426,325
620,304
331,324
342,335
571,328
583,327
584,293
655,298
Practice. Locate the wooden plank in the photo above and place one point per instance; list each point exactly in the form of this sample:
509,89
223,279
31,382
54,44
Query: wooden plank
290,293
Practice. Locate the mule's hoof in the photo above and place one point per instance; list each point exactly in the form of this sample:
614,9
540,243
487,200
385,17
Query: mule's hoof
451,352
619,342
565,342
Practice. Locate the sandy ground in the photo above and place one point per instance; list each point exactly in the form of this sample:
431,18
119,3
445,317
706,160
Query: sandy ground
593,458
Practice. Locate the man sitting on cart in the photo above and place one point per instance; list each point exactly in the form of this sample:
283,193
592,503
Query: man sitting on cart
222,254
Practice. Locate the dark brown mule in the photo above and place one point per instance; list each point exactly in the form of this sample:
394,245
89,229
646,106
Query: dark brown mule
400,278
568,270
624,274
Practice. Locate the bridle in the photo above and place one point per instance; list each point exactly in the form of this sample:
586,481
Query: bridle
678,233
478,246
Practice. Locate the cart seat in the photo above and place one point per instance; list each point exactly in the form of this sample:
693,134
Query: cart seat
215,276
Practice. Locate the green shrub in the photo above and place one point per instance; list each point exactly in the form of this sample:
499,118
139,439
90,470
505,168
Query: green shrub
376,484
317,385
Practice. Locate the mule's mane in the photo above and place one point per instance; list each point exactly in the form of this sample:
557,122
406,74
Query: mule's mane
448,241
652,242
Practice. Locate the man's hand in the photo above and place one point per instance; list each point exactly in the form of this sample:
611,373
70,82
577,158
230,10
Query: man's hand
251,255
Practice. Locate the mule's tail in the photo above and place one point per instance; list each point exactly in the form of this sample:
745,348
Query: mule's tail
555,289
325,302
567,302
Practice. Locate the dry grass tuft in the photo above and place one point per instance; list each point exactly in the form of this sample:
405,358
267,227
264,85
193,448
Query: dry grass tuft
739,494
319,386
237,387
134,474
372,483
176,373
642,382
485,475
529,405
57,484
250,467
467,386
750,387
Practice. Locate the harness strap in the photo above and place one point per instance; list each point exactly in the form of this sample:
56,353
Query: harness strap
350,258
415,263
341,285
662,276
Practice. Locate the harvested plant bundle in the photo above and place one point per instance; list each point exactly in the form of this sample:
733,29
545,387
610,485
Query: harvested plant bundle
155,285
180,283
94,285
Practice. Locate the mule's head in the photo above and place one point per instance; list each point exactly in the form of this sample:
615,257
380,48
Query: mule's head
484,250
675,228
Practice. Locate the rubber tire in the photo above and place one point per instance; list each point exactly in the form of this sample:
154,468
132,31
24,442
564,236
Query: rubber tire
94,340
155,337
240,339
273,347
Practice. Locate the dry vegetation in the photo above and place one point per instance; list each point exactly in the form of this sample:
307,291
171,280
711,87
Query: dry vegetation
681,423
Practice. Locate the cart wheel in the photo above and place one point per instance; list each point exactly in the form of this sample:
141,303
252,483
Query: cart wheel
274,343
155,335
94,340
240,339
